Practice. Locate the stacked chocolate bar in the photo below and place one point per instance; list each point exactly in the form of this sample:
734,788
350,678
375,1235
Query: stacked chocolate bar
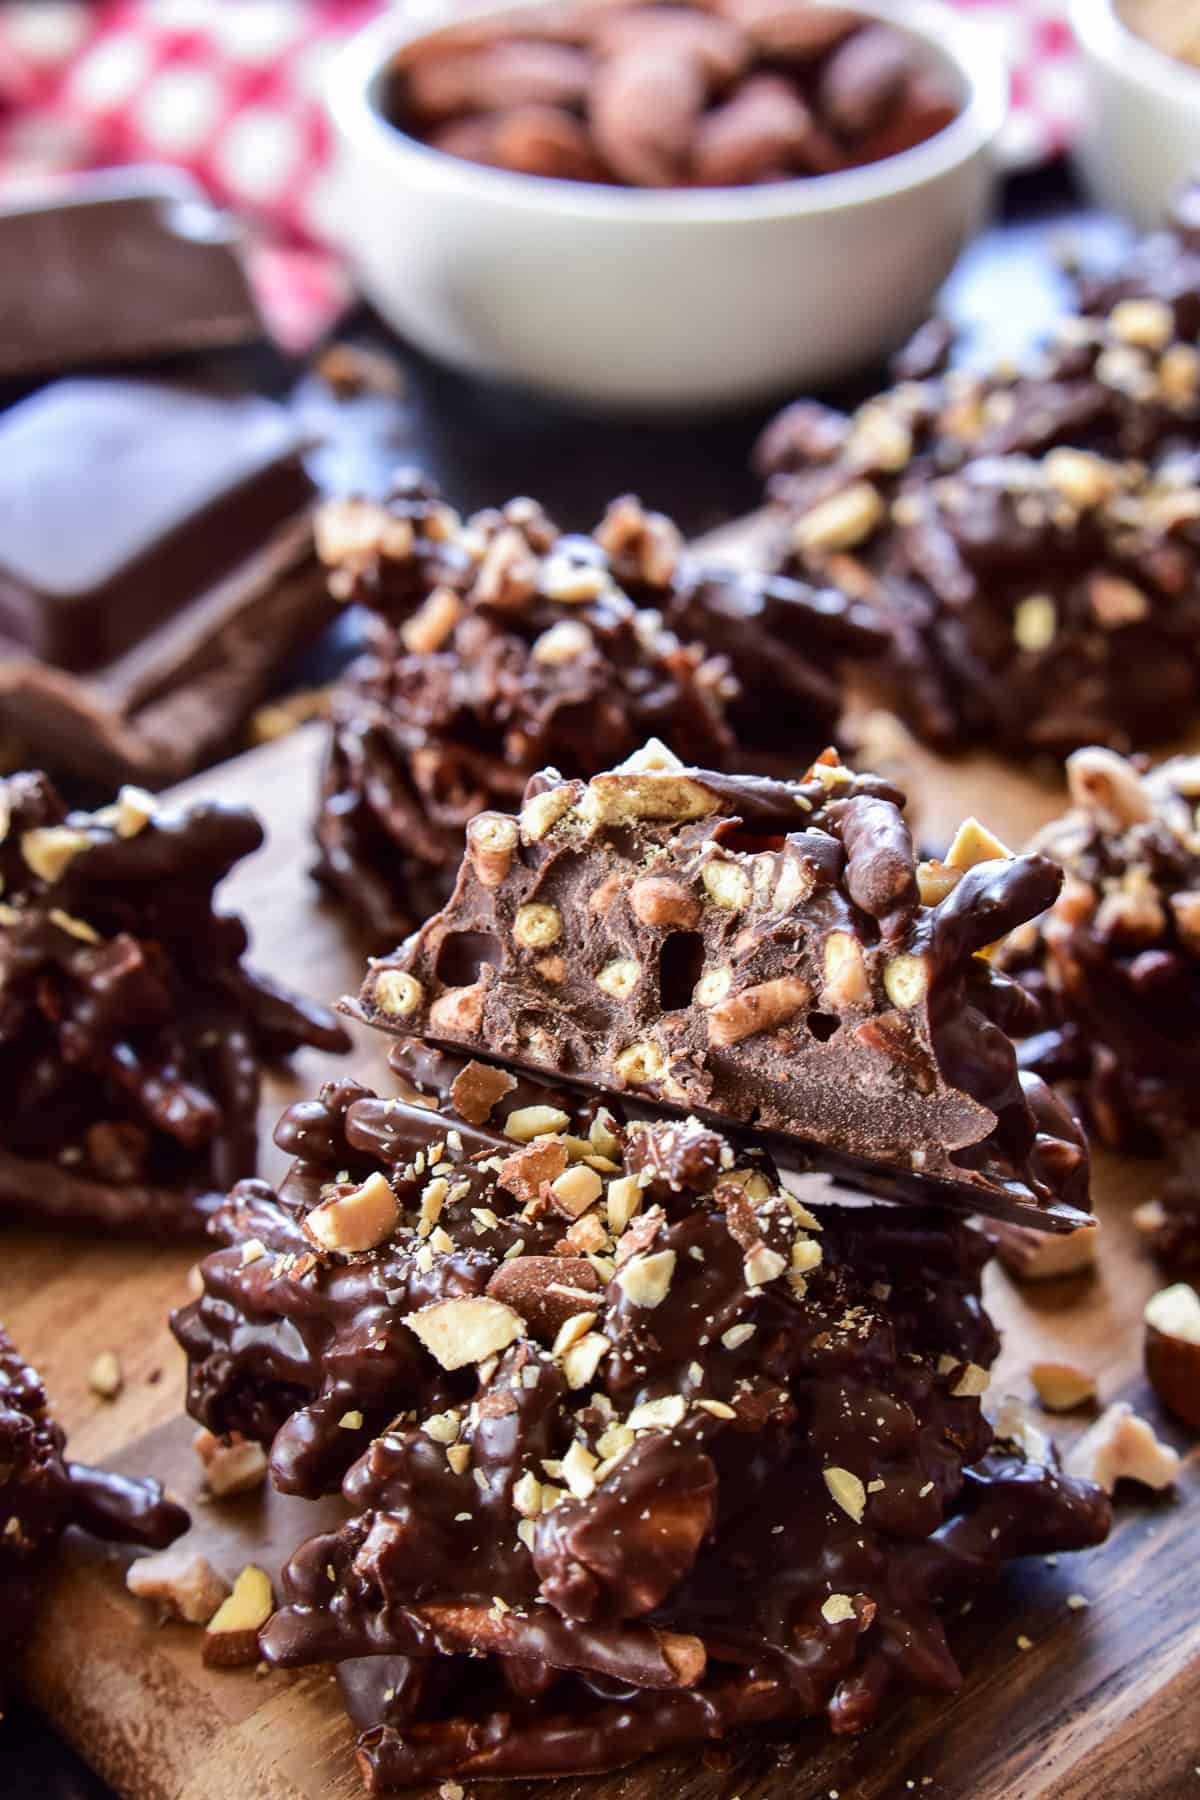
1030,538
501,645
636,1446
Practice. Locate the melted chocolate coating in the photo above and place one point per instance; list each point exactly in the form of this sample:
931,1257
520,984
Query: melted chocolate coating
41,1494
502,646
1115,967
1029,539
512,1625
132,1036
756,952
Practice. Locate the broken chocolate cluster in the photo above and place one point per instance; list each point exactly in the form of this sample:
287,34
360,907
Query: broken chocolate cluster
1029,538
636,1448
41,1494
1115,967
771,955
501,646
132,1035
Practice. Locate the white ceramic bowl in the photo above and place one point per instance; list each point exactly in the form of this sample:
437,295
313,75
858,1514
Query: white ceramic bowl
1142,136
667,300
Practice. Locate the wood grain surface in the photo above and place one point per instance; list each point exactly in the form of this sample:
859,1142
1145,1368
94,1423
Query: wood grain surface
1104,1706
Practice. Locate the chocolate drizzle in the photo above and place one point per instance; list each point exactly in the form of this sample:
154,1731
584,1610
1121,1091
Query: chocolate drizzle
132,1034
750,1502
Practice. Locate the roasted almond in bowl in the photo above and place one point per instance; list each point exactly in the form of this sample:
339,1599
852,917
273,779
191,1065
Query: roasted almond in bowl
711,217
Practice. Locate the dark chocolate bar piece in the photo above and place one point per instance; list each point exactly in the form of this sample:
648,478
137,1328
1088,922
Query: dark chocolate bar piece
1030,539
157,563
41,1494
132,1035
619,1422
502,645
765,954
119,266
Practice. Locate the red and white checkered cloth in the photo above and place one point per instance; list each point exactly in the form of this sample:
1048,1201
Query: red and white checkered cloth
231,89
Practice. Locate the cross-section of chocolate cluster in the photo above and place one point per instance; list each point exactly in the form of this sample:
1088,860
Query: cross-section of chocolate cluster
1115,966
132,1035
769,954
41,1494
1030,538
636,1447
501,646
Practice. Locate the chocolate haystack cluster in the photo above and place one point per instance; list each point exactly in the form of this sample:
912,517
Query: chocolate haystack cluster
1115,967
636,1449
768,954
1031,538
132,1035
502,646
40,1495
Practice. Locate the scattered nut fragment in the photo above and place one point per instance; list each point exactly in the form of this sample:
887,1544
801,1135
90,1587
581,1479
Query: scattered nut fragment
1172,1350
232,1465
640,1064
360,1220
1123,1446
1034,1255
231,1637
1060,1387
179,1580
1103,783
576,1189
105,1377
466,1329
838,1609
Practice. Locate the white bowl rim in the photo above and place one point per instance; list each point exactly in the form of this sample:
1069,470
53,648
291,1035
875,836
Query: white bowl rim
358,65
1101,30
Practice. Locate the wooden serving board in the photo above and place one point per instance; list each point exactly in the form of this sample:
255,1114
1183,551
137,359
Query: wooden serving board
1105,1703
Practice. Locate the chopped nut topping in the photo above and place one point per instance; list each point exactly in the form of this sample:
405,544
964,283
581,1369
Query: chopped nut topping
466,1329
231,1638
1035,623
838,1609
576,1189
848,1491
360,1220
529,1122
583,1359
974,843
579,1470
646,1280
658,1415
50,850
842,521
